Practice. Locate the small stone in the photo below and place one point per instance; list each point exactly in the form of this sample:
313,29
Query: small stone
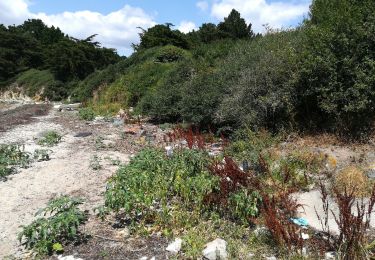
68,257
305,236
271,258
330,255
143,258
169,151
216,249
175,246
124,233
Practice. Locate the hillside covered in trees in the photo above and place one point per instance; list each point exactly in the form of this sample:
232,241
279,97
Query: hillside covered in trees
318,76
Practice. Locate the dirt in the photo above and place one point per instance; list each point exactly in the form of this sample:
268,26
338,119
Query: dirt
13,115
68,172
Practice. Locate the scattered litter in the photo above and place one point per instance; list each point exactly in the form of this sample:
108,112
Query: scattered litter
302,222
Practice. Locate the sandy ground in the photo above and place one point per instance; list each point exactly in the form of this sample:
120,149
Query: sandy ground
68,172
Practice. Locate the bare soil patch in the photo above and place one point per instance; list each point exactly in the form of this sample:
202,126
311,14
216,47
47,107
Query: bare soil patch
21,115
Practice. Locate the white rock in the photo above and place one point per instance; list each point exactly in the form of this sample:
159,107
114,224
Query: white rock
271,258
330,255
175,246
216,249
305,236
169,150
68,257
143,258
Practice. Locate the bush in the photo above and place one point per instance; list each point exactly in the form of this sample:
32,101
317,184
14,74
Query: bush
50,138
337,65
259,74
86,114
47,234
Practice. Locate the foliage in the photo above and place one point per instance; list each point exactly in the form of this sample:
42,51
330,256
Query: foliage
353,226
161,35
11,156
234,26
50,138
244,205
336,66
247,144
47,234
35,80
152,180
260,75
34,45
86,113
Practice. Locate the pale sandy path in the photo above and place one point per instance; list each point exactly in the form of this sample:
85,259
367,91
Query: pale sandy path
68,172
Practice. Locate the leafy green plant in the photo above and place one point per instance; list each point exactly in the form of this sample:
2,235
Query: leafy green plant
86,113
12,156
151,180
57,224
244,205
50,138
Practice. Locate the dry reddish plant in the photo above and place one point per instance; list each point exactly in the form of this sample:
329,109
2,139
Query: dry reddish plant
353,220
277,209
193,137
277,214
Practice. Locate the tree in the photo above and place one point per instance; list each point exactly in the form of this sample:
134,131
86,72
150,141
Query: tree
235,27
209,32
337,67
161,35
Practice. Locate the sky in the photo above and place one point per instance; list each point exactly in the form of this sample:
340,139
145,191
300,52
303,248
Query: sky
116,21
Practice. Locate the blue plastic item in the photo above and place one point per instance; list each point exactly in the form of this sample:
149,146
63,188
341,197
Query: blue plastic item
300,221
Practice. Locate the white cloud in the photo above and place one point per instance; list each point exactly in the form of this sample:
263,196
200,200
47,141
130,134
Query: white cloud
260,12
202,5
13,11
117,29
186,26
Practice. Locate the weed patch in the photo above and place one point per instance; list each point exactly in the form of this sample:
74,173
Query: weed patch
12,156
86,114
48,234
50,138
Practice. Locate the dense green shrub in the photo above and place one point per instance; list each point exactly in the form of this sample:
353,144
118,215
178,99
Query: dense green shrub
57,225
190,91
258,78
336,82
